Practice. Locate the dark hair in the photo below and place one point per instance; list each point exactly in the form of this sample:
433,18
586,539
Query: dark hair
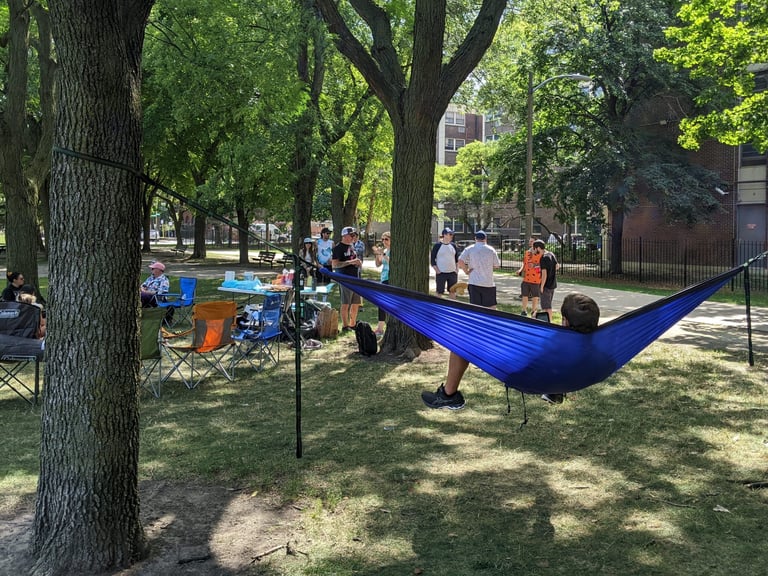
27,289
581,312
12,276
539,244
325,231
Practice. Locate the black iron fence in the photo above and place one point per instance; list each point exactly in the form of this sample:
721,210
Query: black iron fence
653,262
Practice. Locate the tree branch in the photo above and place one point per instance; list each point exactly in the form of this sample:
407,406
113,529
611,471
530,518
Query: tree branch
386,83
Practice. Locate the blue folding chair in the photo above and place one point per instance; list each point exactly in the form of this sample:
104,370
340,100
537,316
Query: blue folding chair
181,302
257,338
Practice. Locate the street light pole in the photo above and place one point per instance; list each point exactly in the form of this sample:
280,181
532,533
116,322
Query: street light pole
529,142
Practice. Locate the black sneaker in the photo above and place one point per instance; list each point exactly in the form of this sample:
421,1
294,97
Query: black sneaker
523,313
553,398
440,399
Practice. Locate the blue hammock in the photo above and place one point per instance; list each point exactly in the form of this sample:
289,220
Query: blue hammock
529,355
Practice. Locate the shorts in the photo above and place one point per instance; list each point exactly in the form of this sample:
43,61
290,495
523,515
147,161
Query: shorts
482,295
530,290
546,298
444,280
349,296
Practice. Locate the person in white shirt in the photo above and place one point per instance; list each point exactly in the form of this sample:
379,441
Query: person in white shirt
444,259
479,261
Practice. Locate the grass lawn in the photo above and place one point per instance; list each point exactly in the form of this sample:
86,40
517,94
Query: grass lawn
646,473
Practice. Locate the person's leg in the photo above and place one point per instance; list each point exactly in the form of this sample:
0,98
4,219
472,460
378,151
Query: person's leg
353,308
525,304
440,284
456,368
451,281
344,313
546,301
534,306
382,318
486,296
447,395
474,296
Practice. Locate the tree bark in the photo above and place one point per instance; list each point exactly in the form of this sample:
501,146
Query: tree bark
20,193
201,233
87,512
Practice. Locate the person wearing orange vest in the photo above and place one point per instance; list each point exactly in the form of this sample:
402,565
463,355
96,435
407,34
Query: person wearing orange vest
531,273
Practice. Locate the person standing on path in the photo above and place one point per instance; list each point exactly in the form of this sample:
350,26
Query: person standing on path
531,273
444,259
479,261
548,264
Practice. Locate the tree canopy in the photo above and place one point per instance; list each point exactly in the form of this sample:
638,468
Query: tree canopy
725,44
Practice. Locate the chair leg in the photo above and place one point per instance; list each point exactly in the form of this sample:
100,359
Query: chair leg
214,360
10,376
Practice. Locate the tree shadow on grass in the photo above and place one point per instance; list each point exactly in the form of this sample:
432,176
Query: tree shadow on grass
622,480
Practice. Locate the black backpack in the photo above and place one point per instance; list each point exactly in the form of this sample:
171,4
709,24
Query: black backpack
366,339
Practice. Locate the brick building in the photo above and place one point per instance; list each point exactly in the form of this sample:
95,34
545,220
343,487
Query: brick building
743,213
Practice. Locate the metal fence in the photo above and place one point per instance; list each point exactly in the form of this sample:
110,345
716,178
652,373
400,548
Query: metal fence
655,262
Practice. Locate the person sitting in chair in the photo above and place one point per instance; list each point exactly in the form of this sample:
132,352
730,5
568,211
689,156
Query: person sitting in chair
154,286
11,292
27,295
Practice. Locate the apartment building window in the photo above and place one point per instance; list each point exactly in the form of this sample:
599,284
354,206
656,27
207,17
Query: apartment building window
749,156
454,118
454,144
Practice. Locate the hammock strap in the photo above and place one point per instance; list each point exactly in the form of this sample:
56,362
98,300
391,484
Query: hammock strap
525,409
747,299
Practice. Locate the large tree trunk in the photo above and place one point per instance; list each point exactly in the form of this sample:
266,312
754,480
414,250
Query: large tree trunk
201,233
87,514
311,74
20,195
414,172
306,173
243,239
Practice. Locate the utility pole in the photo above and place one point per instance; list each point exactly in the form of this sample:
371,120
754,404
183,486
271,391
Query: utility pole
529,150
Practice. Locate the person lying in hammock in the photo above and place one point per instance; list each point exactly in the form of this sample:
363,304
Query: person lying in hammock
579,312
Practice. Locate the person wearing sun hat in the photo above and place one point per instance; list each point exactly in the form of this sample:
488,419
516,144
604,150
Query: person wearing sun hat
155,285
308,258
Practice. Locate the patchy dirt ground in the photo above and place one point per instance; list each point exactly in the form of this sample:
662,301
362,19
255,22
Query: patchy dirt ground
193,531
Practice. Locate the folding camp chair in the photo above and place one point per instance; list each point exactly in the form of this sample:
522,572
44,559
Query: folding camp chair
211,334
262,329
19,346
180,302
151,350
